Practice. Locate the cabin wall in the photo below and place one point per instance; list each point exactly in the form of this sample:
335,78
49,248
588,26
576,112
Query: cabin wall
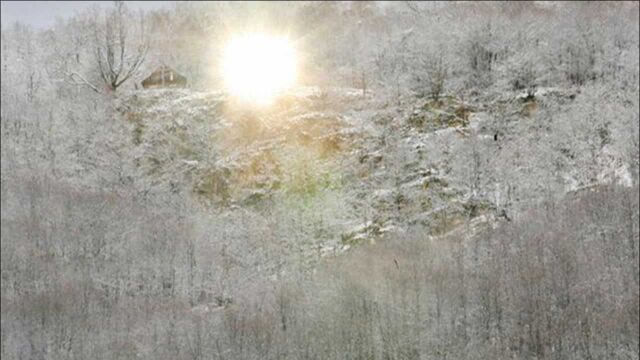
170,79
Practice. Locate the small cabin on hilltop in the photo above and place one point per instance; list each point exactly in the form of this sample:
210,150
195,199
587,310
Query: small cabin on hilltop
164,76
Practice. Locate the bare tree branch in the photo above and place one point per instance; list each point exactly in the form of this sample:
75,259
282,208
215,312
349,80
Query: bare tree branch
77,79
413,7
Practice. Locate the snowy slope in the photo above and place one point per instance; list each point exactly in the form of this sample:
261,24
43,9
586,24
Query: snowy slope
364,165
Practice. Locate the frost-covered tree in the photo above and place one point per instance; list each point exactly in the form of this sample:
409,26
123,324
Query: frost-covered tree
120,47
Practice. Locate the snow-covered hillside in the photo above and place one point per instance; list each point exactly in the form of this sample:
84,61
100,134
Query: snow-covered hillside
389,165
441,180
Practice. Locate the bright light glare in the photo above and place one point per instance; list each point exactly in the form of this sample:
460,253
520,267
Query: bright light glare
257,67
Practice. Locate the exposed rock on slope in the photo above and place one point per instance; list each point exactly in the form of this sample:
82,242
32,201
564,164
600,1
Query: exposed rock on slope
426,163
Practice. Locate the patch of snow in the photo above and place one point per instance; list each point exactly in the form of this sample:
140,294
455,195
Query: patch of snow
624,176
382,193
571,183
191,162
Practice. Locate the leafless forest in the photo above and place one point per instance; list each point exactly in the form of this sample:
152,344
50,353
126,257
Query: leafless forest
446,180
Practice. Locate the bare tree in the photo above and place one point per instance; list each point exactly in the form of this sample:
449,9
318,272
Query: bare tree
119,59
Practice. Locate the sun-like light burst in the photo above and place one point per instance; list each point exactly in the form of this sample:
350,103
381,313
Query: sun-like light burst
257,67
